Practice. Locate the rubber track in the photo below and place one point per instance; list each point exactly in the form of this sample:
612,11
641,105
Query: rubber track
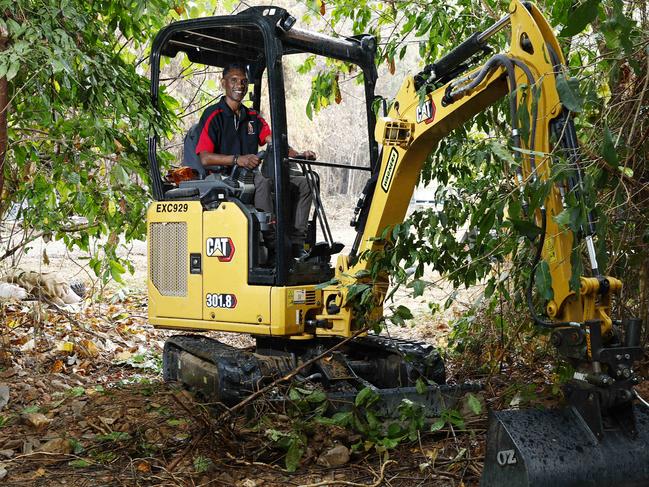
423,356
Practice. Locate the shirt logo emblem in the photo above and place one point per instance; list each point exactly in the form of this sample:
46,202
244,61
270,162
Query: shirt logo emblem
251,129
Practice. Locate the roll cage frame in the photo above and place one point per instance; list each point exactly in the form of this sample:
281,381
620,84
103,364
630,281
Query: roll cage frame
260,37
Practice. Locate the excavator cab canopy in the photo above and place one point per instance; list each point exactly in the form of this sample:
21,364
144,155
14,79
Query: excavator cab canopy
259,37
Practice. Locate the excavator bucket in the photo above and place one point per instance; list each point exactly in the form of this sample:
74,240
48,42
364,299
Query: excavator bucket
555,448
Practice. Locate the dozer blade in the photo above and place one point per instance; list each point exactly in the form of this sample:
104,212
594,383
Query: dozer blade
555,448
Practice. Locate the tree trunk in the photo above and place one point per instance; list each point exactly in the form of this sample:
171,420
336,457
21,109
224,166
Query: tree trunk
4,99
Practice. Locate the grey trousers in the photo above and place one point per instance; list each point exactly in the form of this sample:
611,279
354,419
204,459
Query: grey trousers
300,208
263,193
300,203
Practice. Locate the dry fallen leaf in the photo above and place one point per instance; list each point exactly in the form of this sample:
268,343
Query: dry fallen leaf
107,421
123,356
36,420
144,467
87,349
65,346
57,367
57,445
4,395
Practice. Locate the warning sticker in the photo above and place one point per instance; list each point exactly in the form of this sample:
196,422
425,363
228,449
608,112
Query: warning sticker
297,296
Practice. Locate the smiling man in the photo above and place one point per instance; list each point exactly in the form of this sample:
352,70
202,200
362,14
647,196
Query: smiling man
231,133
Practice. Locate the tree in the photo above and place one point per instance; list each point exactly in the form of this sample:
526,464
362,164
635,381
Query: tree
78,118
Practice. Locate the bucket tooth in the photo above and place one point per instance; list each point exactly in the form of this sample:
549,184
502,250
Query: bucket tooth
541,448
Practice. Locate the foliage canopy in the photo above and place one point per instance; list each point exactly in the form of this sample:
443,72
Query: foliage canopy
79,116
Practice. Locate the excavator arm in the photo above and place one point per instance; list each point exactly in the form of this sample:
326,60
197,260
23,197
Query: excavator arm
422,116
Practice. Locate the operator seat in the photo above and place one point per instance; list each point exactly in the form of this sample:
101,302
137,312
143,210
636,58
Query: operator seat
190,158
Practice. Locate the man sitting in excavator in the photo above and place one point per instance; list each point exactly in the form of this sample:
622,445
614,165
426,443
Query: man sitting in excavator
229,134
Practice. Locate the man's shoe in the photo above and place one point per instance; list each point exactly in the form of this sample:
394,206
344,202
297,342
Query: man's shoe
298,252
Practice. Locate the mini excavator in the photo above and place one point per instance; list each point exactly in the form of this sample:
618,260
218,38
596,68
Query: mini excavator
209,267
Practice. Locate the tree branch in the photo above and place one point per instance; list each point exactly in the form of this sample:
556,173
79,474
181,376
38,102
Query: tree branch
290,375
4,37
16,248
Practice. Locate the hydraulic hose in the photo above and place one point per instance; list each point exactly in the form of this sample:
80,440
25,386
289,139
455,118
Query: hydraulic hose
537,258
453,92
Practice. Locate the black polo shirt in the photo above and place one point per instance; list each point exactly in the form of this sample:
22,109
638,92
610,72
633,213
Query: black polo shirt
222,133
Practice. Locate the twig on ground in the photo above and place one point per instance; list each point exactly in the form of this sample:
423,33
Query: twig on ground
288,376
170,468
376,483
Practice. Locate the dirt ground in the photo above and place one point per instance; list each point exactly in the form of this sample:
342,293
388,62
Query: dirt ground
82,401
86,406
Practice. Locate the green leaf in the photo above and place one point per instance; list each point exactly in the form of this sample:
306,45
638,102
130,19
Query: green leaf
608,148
316,397
116,270
420,385
577,269
489,290
502,152
569,218
342,418
437,425
395,430
365,397
569,93
294,455
583,15
13,70
474,404
77,447
627,171
543,280
114,436
120,175
77,391
418,288
526,228
79,463
176,422
404,312
201,464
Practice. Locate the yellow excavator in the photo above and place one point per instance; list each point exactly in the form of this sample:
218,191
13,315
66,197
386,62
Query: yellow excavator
209,267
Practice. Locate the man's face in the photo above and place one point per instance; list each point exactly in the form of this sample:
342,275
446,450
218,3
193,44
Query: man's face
235,84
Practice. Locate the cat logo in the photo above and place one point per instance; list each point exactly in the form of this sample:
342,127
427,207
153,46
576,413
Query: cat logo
426,112
220,247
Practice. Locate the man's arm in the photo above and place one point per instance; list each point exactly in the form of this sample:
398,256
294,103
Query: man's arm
248,161
307,154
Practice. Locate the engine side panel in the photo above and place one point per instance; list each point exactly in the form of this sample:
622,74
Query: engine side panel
174,232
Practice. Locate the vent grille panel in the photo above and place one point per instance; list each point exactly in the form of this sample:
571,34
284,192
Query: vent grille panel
168,258
310,298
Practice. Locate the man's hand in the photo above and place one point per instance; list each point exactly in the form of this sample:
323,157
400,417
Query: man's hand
248,161
309,155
